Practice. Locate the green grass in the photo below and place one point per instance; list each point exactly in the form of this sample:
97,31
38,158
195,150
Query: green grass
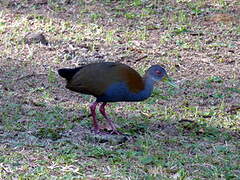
186,133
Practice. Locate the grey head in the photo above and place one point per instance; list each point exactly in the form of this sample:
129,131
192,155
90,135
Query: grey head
156,73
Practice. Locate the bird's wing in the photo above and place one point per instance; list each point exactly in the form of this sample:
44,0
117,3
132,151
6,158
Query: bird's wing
95,79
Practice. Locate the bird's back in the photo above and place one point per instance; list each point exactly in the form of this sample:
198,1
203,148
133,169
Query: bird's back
97,78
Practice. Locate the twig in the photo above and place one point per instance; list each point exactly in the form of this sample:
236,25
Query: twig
28,76
139,59
186,120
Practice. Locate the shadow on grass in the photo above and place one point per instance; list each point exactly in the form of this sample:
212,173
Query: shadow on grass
45,129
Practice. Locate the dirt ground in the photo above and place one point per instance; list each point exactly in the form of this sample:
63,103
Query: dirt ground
198,42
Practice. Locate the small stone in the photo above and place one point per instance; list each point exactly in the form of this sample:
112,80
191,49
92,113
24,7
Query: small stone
107,138
41,1
35,38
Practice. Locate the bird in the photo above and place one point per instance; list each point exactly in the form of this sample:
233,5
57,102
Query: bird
112,82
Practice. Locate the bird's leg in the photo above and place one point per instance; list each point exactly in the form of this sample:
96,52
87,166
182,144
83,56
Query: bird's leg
103,112
93,112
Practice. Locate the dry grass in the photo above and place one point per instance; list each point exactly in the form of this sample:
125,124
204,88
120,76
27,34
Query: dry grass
189,133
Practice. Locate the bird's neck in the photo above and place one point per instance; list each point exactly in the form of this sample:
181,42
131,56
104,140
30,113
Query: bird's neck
148,85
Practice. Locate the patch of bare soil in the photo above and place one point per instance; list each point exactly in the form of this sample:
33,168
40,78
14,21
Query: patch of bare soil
209,48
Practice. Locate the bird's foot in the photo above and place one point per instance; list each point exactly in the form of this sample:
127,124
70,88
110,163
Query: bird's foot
96,131
114,131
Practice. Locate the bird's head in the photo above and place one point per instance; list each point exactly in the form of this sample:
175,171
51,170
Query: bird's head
158,73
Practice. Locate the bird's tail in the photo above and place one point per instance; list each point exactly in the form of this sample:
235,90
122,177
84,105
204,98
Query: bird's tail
68,73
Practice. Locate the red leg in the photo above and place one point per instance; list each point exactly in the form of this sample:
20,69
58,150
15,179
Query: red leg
103,112
93,112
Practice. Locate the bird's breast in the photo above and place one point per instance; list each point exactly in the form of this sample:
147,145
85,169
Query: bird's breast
120,92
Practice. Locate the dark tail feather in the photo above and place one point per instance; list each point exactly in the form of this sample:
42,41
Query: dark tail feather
68,73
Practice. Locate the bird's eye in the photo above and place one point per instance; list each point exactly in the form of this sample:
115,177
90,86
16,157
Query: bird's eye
158,72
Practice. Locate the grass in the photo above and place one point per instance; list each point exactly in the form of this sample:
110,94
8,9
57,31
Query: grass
187,133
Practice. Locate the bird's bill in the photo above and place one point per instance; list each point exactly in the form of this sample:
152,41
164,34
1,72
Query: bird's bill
168,80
